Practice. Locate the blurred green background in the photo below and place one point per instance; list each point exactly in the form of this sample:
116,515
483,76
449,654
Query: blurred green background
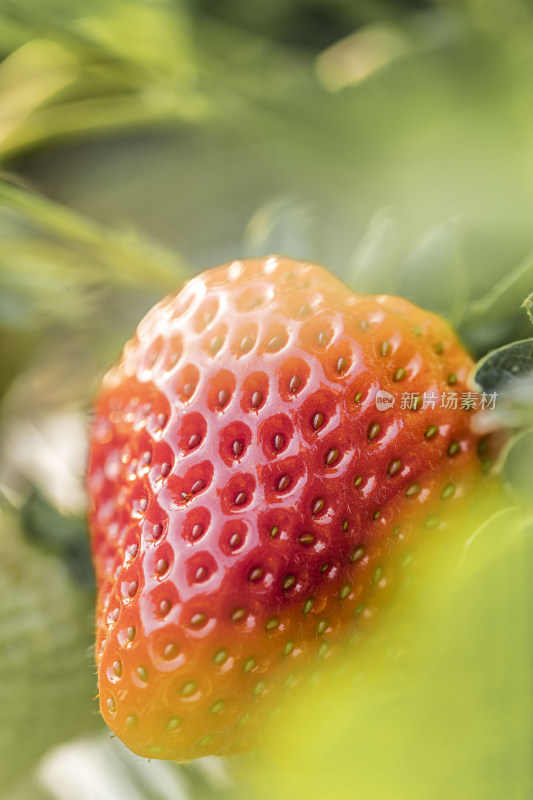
142,141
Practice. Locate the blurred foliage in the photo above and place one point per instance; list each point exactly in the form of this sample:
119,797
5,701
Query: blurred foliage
505,365
436,702
60,535
144,140
46,678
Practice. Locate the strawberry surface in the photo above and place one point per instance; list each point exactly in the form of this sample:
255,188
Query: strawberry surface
247,494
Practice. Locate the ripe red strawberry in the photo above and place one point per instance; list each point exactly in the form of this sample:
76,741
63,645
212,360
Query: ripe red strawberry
246,491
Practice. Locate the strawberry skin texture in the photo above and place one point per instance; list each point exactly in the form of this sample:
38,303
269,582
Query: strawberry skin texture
247,495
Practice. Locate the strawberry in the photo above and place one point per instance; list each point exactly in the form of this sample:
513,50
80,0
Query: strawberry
248,494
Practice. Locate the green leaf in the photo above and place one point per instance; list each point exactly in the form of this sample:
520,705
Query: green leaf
64,536
284,225
528,305
123,259
502,299
429,271
433,273
517,459
46,635
507,374
122,64
373,264
433,701
16,346
506,364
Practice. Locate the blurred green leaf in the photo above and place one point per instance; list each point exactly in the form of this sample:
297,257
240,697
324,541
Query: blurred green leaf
61,270
25,788
284,226
373,264
42,281
429,271
504,297
46,629
104,254
358,56
436,702
528,305
12,34
507,375
516,461
128,64
16,345
504,365
433,274
66,537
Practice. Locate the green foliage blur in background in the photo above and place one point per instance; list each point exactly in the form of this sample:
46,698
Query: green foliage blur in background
142,141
